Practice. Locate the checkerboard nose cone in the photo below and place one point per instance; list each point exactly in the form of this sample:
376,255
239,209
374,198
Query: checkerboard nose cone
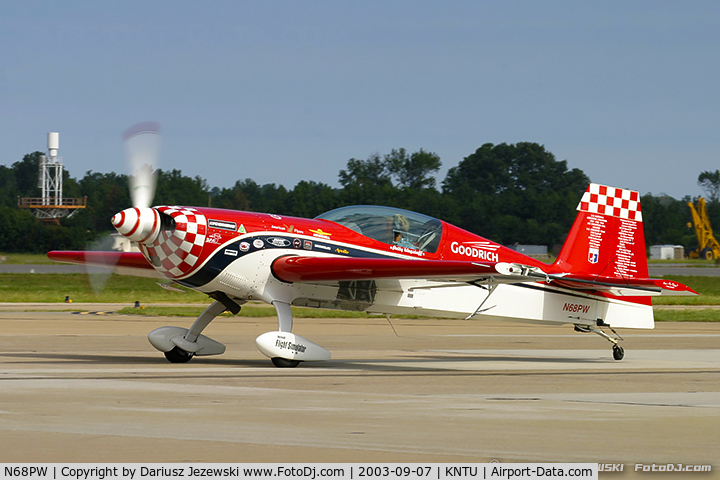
141,225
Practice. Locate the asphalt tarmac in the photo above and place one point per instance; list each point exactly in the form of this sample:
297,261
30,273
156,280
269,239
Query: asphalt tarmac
90,388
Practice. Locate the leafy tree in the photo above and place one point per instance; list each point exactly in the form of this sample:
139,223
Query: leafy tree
107,194
710,182
230,198
665,221
515,193
174,188
372,172
310,199
8,187
27,173
412,171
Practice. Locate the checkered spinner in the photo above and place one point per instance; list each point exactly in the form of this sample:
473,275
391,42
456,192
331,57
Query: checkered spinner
615,202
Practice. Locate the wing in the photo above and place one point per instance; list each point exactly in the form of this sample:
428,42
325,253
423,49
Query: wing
317,269
126,263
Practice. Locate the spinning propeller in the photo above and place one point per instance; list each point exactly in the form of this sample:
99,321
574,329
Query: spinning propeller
141,223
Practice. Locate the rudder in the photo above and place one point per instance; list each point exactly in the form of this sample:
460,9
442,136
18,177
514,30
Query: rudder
607,238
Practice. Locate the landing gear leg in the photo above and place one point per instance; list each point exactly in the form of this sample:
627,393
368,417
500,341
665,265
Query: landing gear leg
285,323
207,316
180,345
618,351
284,348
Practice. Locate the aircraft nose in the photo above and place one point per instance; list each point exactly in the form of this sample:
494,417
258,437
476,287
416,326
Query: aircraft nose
141,225
175,251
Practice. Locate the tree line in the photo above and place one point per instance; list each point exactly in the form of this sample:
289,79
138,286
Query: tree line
509,193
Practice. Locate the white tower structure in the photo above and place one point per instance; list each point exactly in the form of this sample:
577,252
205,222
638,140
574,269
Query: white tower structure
52,206
51,172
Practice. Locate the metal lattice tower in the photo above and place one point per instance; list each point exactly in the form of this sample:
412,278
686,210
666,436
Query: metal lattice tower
52,206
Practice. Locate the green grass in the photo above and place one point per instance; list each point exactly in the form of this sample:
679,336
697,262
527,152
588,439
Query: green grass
25,259
694,315
28,287
48,288
53,288
707,287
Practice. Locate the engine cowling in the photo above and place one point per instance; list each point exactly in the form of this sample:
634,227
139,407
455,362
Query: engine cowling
171,238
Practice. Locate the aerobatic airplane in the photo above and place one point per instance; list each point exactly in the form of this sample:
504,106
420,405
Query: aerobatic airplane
388,261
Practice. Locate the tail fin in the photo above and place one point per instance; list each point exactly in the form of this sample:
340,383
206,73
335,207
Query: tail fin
607,238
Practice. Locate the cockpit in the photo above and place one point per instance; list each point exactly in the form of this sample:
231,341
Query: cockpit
393,226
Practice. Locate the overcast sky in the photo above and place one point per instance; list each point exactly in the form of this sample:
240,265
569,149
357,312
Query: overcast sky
284,91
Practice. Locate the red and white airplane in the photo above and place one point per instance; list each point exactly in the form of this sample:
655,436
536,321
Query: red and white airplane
388,261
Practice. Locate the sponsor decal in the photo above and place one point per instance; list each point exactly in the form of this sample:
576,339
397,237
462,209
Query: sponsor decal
232,253
214,238
670,285
341,250
278,242
576,308
479,250
593,255
241,229
320,233
297,243
257,243
280,342
323,247
407,250
244,246
307,245
276,217
222,224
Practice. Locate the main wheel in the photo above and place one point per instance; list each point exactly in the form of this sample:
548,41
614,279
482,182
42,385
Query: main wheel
618,352
177,355
280,362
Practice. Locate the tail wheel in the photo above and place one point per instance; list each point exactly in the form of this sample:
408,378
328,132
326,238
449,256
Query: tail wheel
177,355
618,352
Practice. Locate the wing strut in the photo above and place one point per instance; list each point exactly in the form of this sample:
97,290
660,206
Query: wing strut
491,286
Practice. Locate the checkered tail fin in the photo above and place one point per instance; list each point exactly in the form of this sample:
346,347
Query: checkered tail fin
607,238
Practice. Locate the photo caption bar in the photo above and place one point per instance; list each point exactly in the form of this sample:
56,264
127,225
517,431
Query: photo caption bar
300,471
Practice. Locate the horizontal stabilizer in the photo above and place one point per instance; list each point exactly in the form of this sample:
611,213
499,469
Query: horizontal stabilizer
630,287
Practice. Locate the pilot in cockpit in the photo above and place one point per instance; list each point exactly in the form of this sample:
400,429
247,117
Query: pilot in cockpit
401,226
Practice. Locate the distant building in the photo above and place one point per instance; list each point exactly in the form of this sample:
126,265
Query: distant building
667,252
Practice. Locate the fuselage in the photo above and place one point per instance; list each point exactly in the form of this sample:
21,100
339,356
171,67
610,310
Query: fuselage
216,250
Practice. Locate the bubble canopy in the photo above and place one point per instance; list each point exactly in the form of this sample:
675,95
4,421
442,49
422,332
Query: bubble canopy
393,226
